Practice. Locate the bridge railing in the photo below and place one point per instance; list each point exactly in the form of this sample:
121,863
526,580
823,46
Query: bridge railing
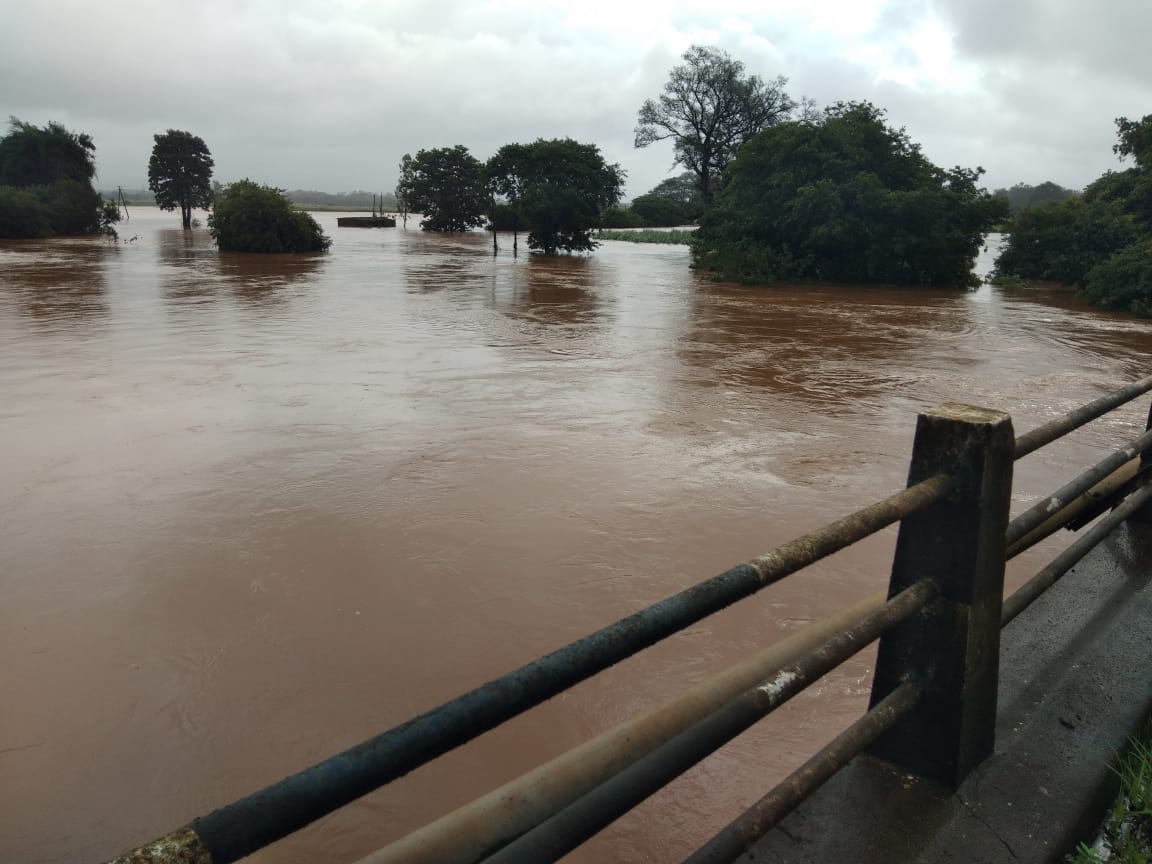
933,703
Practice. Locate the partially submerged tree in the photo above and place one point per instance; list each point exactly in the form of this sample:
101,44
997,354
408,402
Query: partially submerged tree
250,217
446,184
505,173
180,173
565,186
709,109
404,188
846,199
46,183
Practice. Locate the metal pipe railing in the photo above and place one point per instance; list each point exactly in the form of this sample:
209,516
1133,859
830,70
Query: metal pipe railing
569,828
1062,563
570,796
240,828
1032,441
1097,496
740,835
1060,499
468,834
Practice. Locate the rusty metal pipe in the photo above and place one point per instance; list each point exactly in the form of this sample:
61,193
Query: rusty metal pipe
467,834
239,829
560,834
739,836
1066,560
1058,500
1099,493
1032,441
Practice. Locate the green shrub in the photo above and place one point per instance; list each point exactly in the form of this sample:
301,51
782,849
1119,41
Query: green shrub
1062,242
619,217
1123,281
249,217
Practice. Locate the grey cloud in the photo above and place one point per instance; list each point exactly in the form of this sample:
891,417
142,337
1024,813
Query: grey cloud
330,95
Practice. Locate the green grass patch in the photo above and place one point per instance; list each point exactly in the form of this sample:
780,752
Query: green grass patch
1008,281
682,238
1126,835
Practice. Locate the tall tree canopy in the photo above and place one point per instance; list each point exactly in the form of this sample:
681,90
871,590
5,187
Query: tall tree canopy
845,199
446,184
180,173
1135,140
35,156
709,109
561,187
46,183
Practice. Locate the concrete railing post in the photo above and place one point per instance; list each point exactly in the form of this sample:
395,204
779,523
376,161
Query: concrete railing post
952,647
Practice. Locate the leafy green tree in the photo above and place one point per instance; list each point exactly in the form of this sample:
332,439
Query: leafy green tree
46,183
656,211
681,188
403,191
1135,140
709,109
180,173
446,184
565,187
844,199
250,217
1062,242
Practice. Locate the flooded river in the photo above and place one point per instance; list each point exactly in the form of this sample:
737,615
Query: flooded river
255,510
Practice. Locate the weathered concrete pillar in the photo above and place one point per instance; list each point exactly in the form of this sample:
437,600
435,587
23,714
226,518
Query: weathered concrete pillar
951,647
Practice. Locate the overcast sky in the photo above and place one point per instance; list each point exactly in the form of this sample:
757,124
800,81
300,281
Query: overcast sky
329,94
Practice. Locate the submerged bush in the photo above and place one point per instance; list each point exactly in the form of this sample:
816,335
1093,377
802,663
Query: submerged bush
845,198
250,217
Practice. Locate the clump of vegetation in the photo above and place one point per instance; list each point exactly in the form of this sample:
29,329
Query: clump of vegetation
682,238
46,183
558,189
1100,242
844,198
1126,834
1062,242
249,217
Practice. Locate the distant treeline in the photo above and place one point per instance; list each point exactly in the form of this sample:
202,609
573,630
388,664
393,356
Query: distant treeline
302,197
341,200
1023,197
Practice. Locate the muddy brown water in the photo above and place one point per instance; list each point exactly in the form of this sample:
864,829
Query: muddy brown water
257,509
